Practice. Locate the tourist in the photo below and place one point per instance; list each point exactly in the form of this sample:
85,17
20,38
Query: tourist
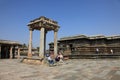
59,58
97,51
111,51
51,60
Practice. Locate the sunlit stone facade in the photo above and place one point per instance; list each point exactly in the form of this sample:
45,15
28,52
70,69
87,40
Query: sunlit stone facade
81,44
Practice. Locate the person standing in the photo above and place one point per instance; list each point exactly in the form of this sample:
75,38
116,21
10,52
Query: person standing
111,51
97,51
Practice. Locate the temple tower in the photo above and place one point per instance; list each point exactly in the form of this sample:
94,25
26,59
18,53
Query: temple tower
44,25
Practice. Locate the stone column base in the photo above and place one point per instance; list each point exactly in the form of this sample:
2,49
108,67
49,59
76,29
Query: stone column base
29,55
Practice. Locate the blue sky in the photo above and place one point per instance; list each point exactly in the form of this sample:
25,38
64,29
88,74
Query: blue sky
88,17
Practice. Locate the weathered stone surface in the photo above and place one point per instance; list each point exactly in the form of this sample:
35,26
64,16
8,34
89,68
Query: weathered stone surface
80,69
31,61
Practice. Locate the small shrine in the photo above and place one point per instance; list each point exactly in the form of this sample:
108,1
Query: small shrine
44,25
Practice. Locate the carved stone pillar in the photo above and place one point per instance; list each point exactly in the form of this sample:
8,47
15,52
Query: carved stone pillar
55,42
0,50
30,44
45,42
42,43
18,53
11,52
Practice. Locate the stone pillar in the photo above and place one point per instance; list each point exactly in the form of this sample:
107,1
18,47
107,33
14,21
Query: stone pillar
45,42
55,42
42,43
11,52
18,53
0,50
30,44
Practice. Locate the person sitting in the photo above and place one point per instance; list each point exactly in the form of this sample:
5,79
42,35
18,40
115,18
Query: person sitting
51,61
59,58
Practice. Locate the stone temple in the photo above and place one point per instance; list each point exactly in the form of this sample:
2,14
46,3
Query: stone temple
87,45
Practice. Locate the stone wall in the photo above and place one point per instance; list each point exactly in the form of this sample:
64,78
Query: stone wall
88,45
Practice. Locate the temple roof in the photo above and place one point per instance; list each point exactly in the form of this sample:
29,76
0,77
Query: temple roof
114,37
97,37
90,37
42,21
9,42
73,37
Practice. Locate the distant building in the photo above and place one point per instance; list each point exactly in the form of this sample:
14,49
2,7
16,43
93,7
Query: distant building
24,51
8,49
81,44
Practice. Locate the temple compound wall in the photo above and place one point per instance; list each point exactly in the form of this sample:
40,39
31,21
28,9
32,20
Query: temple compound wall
9,49
81,44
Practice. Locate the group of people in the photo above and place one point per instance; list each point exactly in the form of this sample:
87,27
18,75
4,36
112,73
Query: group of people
97,51
52,59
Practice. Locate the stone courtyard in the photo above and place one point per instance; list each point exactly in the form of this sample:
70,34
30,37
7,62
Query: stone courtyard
76,69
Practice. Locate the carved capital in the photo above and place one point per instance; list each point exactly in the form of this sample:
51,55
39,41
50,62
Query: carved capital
46,31
31,29
56,29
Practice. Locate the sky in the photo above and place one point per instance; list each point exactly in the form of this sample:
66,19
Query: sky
75,17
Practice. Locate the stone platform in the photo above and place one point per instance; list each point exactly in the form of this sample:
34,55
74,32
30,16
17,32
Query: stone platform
76,69
32,60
